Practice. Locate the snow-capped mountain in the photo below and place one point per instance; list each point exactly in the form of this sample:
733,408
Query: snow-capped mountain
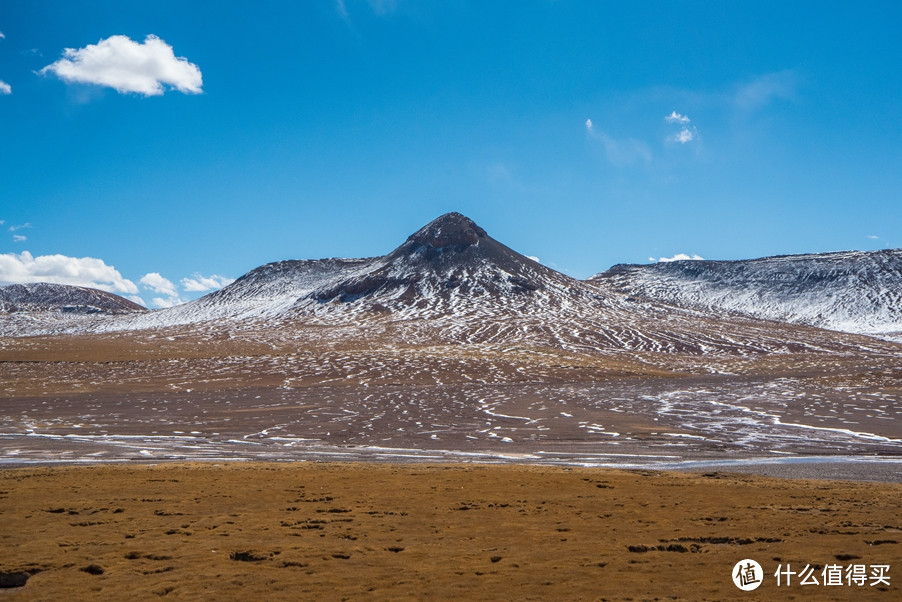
450,282
857,292
46,297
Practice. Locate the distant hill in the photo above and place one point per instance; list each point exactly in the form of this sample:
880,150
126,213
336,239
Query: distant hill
61,298
858,292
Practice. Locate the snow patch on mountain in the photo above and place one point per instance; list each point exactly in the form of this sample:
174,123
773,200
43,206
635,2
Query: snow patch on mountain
854,291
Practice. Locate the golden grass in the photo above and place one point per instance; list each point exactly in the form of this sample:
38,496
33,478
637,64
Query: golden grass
311,531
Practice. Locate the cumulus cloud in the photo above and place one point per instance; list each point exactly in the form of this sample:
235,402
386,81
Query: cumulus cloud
201,284
686,134
156,283
91,272
621,152
127,66
677,257
164,302
683,136
675,117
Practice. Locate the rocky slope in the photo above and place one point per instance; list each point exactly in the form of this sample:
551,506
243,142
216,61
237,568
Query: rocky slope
61,298
857,292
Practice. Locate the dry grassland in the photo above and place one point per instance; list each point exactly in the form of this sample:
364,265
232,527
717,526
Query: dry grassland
311,531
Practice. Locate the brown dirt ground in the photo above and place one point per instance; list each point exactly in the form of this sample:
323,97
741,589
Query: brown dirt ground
326,531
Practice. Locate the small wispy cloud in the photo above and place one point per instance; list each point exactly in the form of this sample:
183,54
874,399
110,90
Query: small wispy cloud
19,238
5,88
675,117
383,7
677,257
620,152
19,227
201,284
687,132
126,66
873,237
379,7
765,89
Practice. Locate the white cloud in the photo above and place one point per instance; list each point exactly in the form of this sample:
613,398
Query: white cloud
677,257
5,88
873,237
675,117
683,136
60,269
136,299
620,152
127,66
766,88
162,286
158,284
19,238
163,303
534,258
687,133
20,226
200,284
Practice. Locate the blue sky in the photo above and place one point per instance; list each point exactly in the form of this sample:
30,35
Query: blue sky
177,145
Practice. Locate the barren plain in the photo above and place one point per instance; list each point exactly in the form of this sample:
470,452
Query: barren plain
332,531
302,462
207,395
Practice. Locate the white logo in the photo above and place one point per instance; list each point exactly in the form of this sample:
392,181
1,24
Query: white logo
747,575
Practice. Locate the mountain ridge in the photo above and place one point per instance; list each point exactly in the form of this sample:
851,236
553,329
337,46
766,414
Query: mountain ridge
450,282
849,291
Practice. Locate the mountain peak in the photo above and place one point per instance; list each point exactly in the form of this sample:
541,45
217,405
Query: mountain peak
449,230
